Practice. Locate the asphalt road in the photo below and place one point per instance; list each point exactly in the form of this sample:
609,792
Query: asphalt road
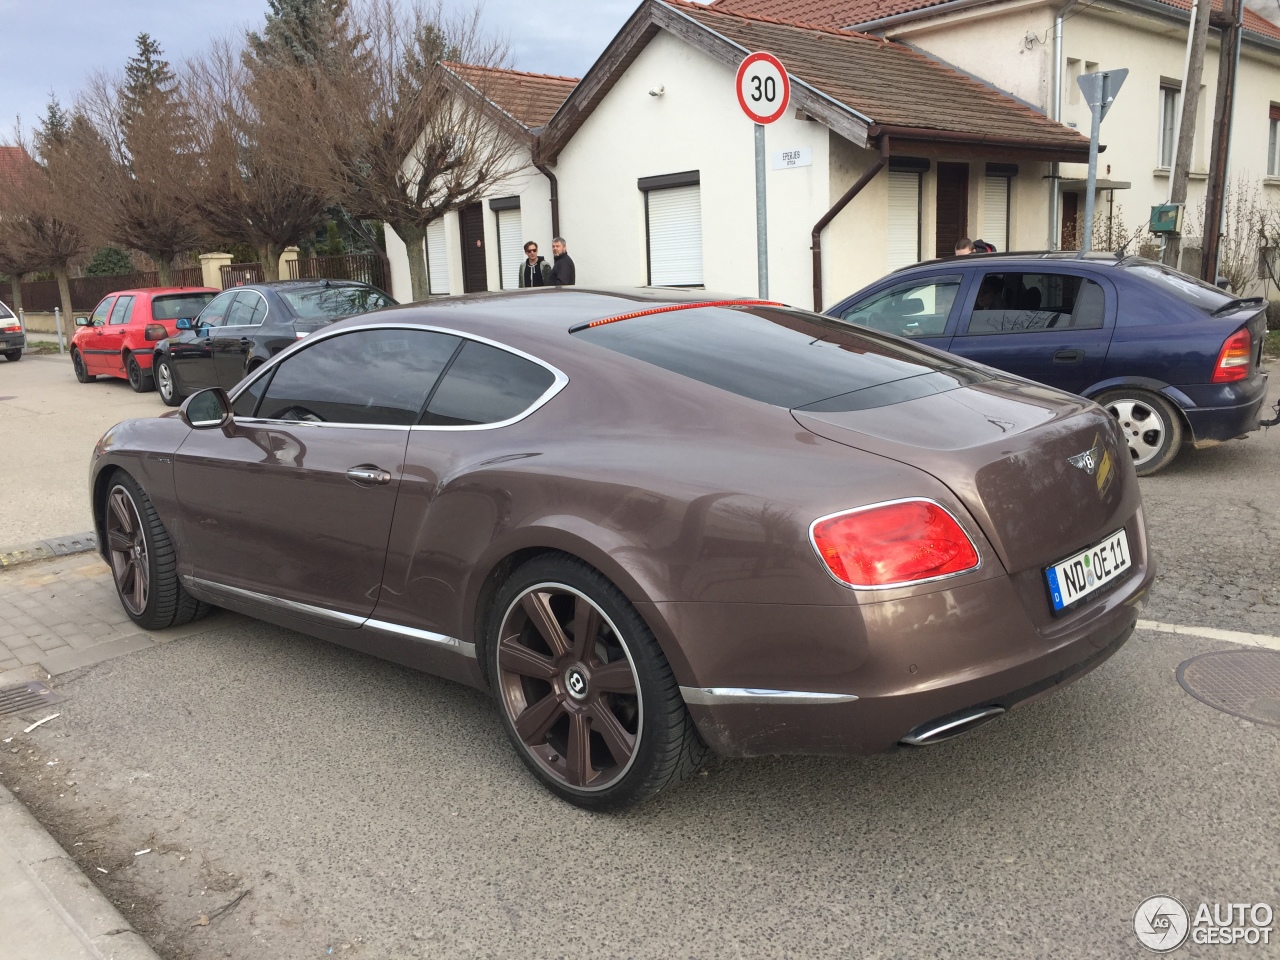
376,812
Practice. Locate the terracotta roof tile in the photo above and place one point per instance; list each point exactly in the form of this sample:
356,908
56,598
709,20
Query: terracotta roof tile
13,162
532,98
890,83
846,13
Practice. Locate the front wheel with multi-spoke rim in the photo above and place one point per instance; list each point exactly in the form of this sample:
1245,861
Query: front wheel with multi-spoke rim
1151,427
143,563
585,693
166,384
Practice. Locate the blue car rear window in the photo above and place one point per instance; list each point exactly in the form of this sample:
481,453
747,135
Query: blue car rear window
1185,288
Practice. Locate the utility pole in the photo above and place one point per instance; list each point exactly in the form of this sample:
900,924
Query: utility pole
1232,25
1197,42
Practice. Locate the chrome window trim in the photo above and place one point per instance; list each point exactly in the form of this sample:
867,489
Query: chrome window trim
452,644
265,314
335,617
559,383
902,583
712,696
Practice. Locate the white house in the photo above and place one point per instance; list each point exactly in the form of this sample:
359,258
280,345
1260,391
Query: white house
478,247
896,157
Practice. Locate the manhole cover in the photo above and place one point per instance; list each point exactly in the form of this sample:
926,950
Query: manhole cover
28,696
1243,683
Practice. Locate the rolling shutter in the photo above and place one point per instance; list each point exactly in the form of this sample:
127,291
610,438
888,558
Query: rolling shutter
995,212
675,236
509,247
904,218
437,258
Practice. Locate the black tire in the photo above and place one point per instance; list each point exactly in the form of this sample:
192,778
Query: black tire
13,356
140,380
166,603
1151,426
77,364
665,748
166,382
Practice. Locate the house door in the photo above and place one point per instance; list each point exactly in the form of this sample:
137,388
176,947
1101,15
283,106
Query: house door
1070,221
953,207
475,273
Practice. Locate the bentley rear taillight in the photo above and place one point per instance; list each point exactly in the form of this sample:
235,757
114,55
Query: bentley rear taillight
890,544
1233,360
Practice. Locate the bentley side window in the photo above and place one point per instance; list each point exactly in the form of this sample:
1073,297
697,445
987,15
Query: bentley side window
486,384
371,377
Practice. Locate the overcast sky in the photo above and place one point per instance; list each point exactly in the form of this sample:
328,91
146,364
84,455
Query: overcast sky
55,44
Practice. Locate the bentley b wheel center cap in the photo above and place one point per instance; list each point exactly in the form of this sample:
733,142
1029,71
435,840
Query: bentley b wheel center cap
575,682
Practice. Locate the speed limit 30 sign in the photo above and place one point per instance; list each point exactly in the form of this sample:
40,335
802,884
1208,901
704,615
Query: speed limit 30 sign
764,90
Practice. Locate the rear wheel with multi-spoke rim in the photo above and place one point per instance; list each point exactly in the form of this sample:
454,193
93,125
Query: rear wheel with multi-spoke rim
586,695
1151,427
143,563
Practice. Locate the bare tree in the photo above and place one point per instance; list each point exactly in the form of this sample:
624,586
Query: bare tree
138,160
38,208
392,133
249,190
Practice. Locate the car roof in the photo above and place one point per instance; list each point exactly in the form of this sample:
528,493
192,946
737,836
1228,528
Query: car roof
158,291
307,284
1093,258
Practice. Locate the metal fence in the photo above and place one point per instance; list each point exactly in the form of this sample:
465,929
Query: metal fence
367,268
238,274
41,296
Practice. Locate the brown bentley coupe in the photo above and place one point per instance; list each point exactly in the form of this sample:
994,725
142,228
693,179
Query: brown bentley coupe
650,523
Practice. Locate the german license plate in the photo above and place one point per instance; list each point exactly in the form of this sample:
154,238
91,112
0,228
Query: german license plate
1073,579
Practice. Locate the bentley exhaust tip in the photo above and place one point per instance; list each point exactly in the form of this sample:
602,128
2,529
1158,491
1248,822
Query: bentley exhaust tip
953,725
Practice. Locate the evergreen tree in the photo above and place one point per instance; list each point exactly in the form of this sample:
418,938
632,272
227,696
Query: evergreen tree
55,127
299,33
109,262
150,93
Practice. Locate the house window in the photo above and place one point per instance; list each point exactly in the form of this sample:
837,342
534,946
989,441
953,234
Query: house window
904,212
510,241
1273,143
673,228
1170,105
437,259
997,188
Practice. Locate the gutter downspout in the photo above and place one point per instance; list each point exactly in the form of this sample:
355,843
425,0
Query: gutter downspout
881,162
555,198
1055,113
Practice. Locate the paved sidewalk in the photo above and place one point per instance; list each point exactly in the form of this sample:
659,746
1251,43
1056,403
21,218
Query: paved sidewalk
56,616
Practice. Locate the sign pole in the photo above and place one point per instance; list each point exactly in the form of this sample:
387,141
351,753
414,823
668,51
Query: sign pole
762,217
1099,91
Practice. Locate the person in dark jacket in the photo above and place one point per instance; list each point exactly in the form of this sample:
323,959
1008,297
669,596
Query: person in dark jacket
563,273
535,271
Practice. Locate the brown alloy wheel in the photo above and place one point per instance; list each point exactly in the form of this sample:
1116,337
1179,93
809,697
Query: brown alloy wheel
127,545
569,686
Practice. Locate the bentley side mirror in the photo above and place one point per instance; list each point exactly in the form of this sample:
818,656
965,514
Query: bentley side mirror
206,410
82,321
184,323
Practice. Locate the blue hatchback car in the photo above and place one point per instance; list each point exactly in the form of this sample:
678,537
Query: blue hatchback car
1173,359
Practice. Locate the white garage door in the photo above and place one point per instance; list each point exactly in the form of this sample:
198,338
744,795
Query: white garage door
437,258
904,218
675,236
995,212
509,247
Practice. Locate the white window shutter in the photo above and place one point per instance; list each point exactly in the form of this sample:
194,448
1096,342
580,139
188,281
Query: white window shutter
510,246
675,236
995,212
904,218
437,258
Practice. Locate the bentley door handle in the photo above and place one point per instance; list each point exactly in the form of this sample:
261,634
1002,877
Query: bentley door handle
368,475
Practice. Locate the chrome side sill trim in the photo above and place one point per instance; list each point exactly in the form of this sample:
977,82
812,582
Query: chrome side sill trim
289,606
710,696
452,644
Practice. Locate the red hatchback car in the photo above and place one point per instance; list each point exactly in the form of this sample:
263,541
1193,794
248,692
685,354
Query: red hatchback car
116,339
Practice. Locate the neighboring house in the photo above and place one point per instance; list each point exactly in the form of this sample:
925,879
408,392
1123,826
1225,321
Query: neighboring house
1010,43
656,168
479,247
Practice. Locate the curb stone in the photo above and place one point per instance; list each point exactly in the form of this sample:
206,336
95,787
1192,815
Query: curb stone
57,906
48,549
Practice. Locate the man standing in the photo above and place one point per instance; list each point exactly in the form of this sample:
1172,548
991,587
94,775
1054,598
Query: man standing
563,273
535,271
964,247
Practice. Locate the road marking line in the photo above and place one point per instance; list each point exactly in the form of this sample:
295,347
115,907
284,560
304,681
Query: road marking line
1212,633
